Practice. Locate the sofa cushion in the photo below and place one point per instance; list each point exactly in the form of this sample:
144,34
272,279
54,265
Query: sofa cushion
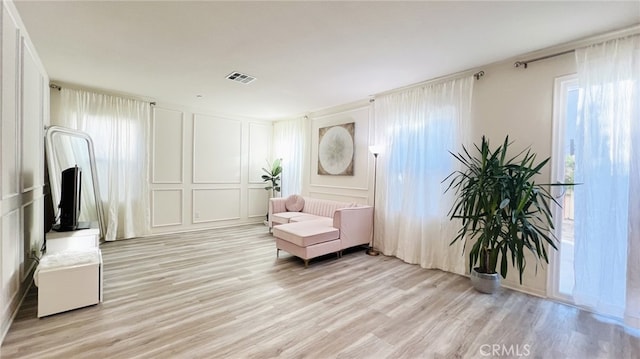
284,217
294,203
310,217
305,234
321,207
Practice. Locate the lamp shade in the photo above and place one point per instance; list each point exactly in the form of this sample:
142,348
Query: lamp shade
376,149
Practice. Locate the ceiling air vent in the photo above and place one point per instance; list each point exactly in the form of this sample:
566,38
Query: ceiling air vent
240,77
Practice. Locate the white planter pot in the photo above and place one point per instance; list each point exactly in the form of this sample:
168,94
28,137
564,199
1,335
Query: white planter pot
485,283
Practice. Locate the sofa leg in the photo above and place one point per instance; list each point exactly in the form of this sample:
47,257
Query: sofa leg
277,253
306,263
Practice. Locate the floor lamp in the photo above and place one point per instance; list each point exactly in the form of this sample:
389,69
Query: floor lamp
375,150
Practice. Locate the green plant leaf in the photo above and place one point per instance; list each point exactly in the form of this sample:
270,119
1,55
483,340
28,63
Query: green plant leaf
504,203
502,210
272,176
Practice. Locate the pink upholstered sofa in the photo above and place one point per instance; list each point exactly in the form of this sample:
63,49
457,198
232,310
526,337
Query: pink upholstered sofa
310,227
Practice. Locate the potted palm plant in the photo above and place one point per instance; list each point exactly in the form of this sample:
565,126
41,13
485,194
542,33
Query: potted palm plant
503,211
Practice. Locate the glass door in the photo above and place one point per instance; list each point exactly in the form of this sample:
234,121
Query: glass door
566,97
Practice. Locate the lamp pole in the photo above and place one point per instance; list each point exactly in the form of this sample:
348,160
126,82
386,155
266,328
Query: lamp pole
372,250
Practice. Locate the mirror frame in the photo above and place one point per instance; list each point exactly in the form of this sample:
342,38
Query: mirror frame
53,180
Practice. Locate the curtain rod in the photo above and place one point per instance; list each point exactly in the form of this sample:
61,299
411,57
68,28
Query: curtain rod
571,47
526,63
477,75
58,87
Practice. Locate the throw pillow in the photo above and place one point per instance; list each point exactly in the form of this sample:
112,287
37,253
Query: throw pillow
294,203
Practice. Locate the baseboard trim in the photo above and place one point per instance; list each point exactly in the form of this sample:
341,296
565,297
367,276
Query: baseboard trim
25,291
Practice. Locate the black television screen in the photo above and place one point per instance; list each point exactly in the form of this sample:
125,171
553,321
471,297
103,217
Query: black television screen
69,199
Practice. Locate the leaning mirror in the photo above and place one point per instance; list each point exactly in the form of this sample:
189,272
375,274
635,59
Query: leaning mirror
67,148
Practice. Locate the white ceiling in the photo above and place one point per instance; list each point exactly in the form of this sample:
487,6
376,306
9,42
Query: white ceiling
306,55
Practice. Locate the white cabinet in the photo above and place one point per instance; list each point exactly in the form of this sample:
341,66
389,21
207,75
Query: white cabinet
69,275
72,240
68,280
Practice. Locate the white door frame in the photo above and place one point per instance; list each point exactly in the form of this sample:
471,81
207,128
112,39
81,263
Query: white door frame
561,87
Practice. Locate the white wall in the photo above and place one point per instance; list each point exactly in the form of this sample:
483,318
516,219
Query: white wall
519,102
205,170
506,101
25,110
354,188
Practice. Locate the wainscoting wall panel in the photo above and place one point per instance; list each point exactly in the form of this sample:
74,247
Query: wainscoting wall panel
333,196
31,124
23,98
219,204
257,202
32,221
11,253
259,150
216,150
216,164
10,124
357,188
167,207
361,156
167,128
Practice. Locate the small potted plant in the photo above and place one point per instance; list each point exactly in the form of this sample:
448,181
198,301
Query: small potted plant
503,211
272,178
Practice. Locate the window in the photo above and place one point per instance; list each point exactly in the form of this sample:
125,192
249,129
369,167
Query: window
419,158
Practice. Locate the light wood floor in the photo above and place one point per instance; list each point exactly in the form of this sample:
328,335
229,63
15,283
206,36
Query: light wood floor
223,294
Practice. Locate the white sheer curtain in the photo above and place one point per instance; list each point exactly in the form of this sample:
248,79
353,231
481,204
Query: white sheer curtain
607,221
290,144
417,128
119,130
